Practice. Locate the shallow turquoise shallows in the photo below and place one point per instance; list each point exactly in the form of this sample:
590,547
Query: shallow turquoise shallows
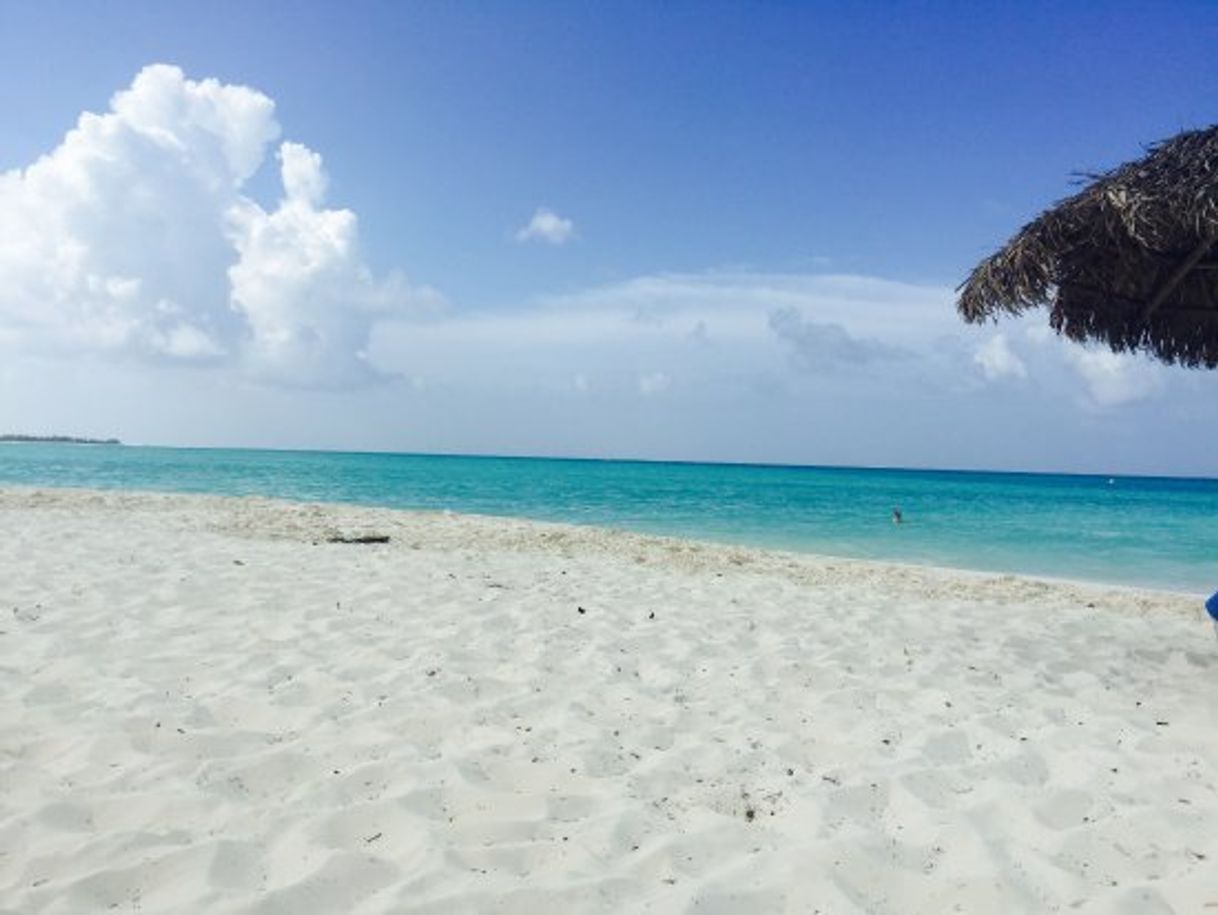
1153,531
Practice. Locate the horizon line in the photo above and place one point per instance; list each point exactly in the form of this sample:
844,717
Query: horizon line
662,461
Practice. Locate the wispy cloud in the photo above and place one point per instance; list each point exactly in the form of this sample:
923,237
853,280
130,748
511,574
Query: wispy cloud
547,226
1114,379
732,326
821,345
866,307
654,383
997,360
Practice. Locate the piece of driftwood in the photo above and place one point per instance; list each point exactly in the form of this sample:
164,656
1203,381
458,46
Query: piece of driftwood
358,538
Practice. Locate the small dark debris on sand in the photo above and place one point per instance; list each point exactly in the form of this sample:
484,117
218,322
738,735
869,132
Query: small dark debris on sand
358,538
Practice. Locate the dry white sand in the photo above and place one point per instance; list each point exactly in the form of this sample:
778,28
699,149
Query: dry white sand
205,707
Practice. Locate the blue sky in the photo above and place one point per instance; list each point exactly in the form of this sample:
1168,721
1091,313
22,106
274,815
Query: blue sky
768,204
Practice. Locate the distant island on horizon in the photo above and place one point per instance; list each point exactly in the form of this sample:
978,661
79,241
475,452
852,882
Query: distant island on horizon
58,439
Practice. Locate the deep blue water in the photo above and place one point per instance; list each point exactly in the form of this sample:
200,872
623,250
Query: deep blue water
1161,532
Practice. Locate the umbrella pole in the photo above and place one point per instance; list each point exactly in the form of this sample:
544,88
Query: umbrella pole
1180,273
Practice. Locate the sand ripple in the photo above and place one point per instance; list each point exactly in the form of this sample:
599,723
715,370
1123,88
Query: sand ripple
205,706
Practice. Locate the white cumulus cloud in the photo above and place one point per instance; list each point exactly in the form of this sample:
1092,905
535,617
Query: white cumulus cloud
547,226
997,360
134,237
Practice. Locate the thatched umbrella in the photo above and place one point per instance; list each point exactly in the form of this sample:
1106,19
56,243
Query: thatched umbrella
1132,260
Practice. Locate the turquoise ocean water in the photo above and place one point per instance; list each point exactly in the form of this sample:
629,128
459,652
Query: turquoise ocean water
1159,532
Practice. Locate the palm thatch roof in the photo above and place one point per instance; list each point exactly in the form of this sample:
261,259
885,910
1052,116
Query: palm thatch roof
1131,260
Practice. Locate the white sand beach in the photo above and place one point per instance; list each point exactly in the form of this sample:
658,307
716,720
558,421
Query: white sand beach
205,706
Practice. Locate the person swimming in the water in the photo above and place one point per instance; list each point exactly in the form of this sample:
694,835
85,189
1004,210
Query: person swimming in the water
897,517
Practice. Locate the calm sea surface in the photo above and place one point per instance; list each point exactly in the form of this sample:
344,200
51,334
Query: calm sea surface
1152,531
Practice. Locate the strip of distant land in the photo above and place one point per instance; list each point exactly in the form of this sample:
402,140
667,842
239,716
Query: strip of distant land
58,439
